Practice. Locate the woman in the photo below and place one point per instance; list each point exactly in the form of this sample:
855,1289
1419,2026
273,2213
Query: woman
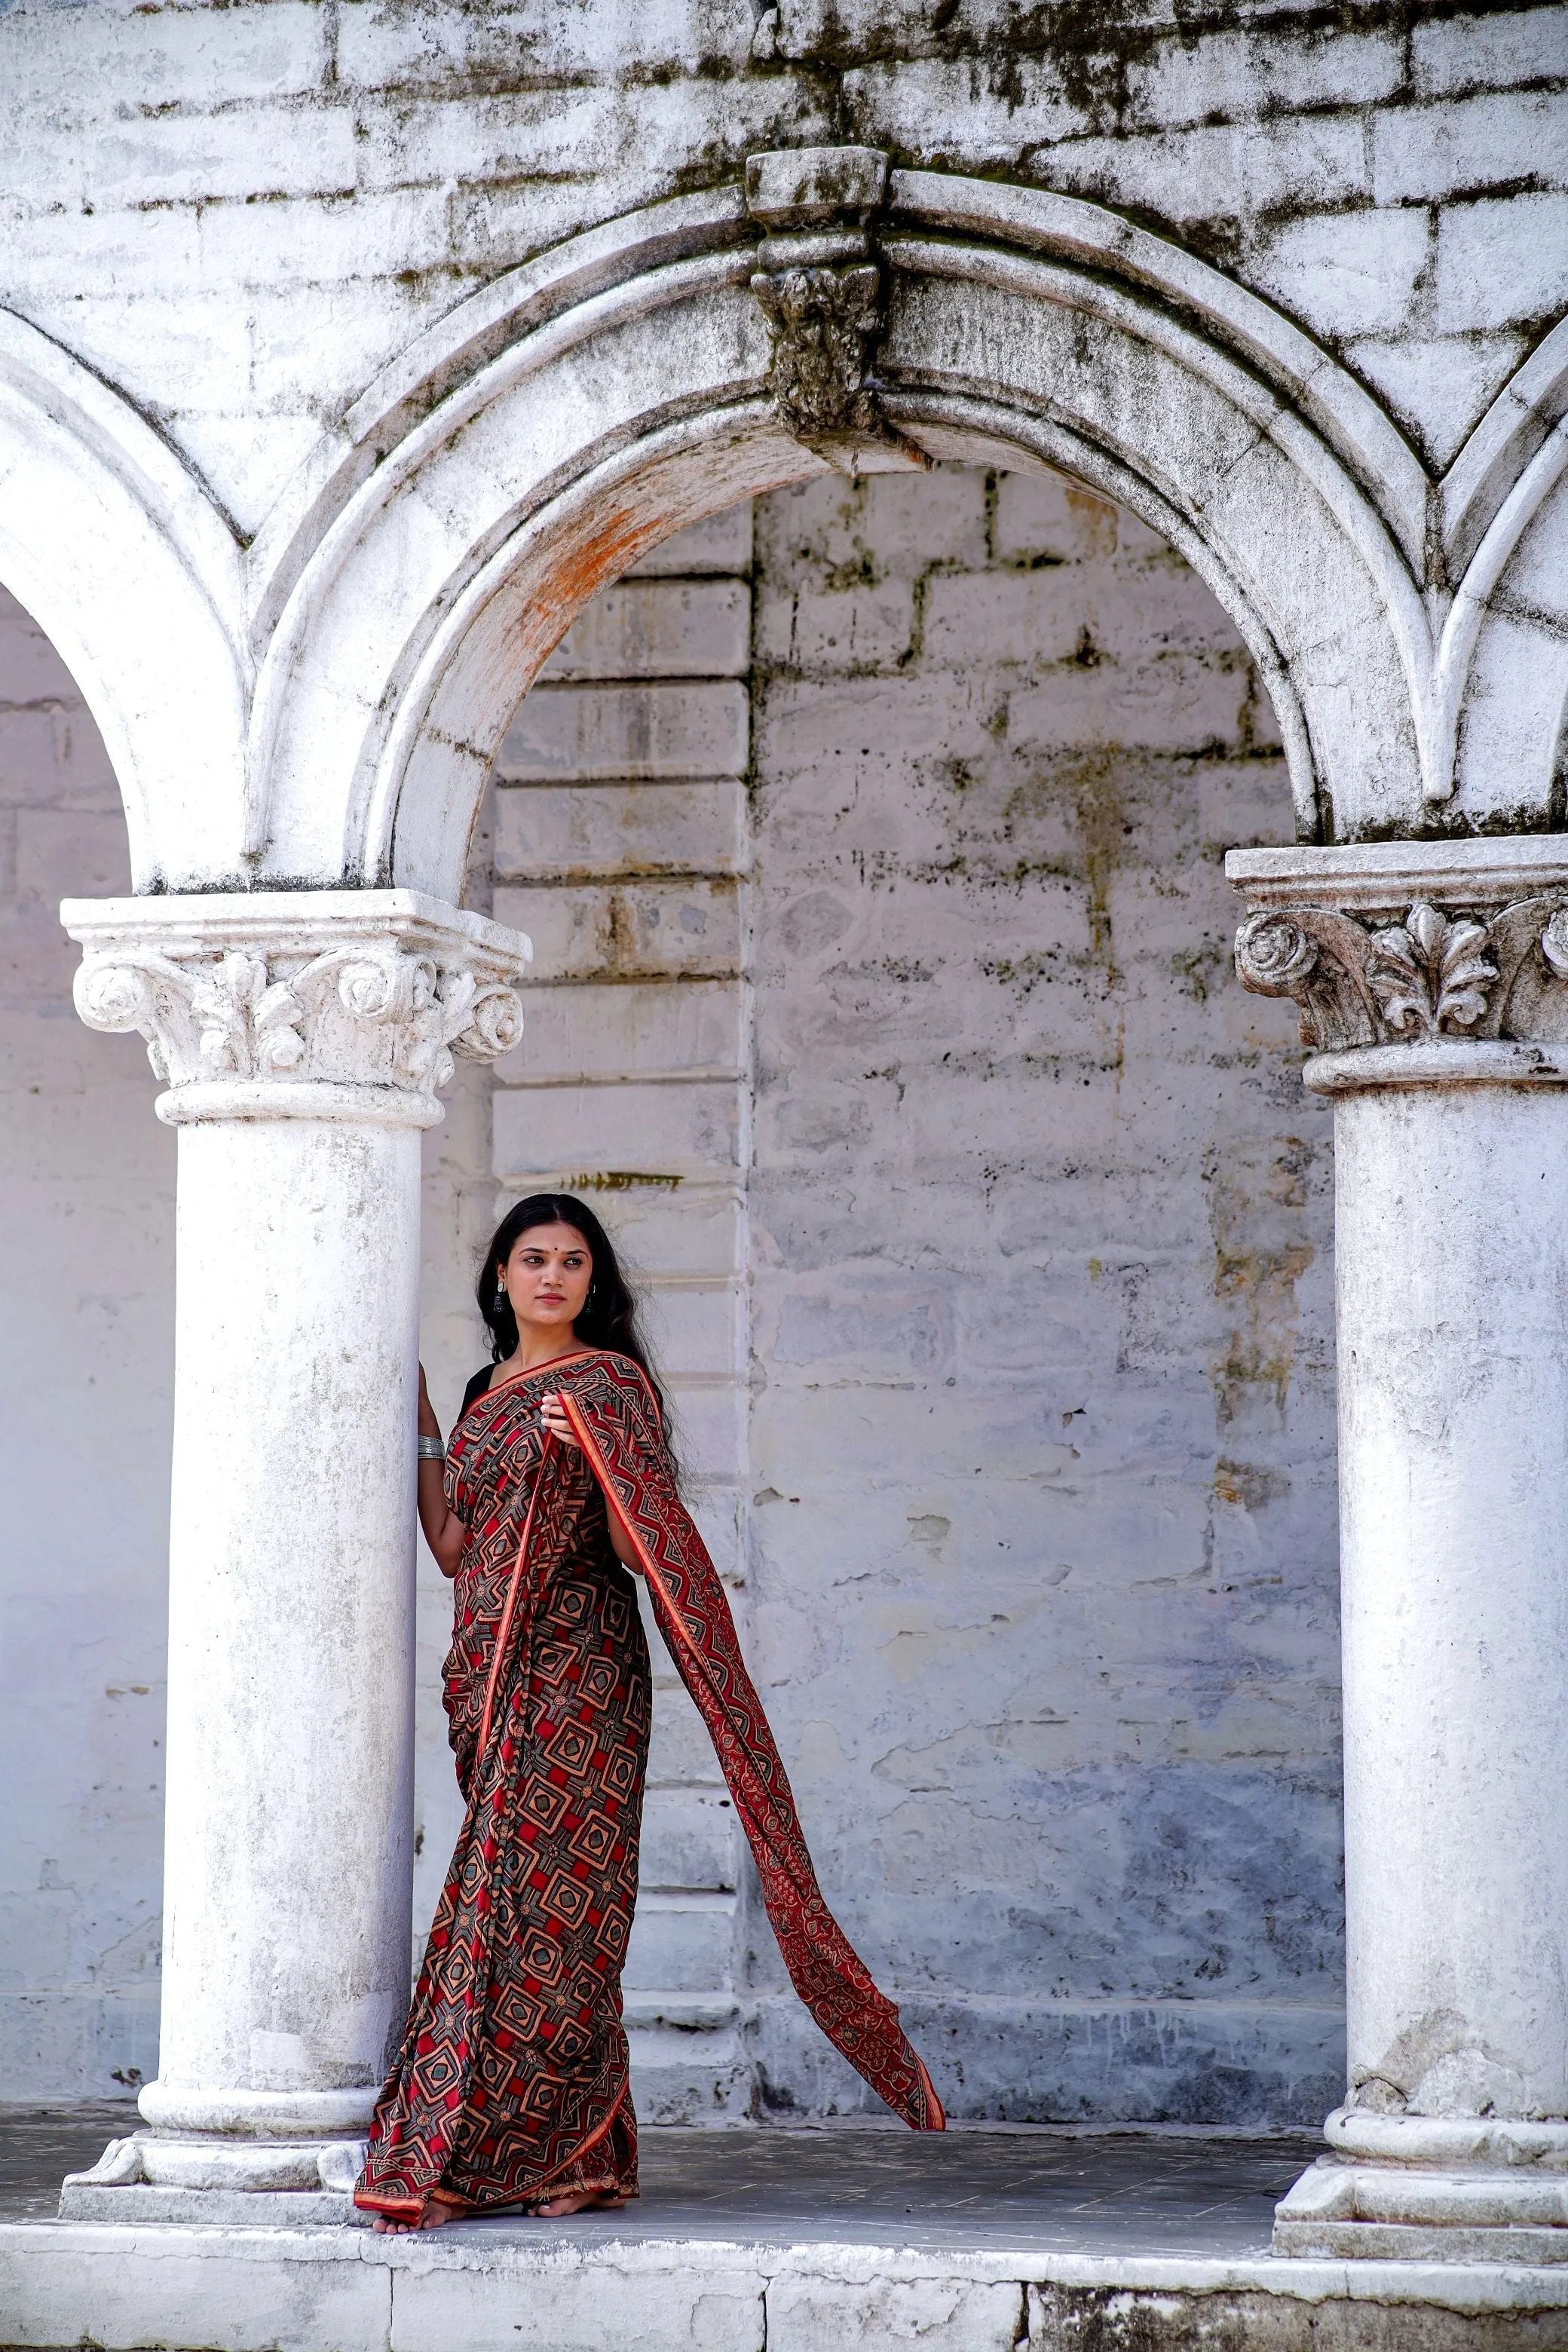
512,2085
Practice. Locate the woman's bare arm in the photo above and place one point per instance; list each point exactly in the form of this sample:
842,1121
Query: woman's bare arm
622,1544
444,1530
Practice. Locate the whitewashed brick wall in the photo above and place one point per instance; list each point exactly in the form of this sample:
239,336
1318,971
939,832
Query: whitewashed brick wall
1042,1441
884,1008
238,212
86,1388
623,849
1037,1566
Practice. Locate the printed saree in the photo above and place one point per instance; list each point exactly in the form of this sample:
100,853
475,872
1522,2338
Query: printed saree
510,2087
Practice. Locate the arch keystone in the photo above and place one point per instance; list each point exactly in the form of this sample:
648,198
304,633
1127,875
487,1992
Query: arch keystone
822,288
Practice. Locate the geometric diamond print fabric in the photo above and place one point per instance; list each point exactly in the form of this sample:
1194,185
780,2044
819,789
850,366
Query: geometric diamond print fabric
614,1412
511,2083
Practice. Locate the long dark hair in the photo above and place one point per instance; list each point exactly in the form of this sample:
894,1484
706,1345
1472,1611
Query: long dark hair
609,1316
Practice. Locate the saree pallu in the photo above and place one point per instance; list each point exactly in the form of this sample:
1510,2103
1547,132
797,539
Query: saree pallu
511,2083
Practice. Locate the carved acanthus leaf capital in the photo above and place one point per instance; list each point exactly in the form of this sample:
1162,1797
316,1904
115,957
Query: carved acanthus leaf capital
372,990
1475,973
1431,975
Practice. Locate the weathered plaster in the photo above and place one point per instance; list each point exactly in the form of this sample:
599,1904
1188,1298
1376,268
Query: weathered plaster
1001,734
622,845
345,618
173,150
1042,1441
86,1271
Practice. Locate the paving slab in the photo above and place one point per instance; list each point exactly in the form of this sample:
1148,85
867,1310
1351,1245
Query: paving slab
839,2237
39,2145
968,2189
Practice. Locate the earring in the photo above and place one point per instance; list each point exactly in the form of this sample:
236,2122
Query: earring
501,1299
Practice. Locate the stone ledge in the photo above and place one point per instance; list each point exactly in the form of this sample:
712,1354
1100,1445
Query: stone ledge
1377,875
566,2287
1407,2242
1112,2319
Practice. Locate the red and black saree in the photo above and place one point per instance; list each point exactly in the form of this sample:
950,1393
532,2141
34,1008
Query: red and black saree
510,2087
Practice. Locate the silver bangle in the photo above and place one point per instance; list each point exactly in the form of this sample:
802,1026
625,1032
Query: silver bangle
431,1449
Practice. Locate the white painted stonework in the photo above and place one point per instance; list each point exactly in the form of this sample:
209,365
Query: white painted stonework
868,826
937,937
290,2291
301,1040
1430,979
623,847
491,496
88,1277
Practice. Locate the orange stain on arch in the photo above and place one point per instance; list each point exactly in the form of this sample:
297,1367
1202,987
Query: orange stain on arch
610,549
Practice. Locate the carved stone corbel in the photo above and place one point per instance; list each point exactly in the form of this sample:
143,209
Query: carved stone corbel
821,287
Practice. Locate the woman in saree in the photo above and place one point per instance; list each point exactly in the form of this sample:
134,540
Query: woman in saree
555,1490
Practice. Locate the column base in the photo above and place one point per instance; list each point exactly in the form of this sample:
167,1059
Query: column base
171,2108
1446,2189
1502,2144
260,2183
1389,2213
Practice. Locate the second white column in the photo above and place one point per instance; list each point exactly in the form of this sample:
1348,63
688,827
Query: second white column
1432,980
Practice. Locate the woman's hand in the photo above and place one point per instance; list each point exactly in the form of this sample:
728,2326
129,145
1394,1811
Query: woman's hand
428,1425
553,1413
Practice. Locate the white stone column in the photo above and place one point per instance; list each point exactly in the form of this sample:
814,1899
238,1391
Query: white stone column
1432,980
302,1037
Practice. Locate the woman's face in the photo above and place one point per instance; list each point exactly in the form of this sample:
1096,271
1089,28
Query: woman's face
547,1277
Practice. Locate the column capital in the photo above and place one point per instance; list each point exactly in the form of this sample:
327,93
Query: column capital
299,1004
1415,964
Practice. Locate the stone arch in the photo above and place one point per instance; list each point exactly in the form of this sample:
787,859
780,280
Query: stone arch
134,576
1502,666
552,429
320,707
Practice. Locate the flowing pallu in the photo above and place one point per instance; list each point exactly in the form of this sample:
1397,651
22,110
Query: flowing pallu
511,2083
613,1411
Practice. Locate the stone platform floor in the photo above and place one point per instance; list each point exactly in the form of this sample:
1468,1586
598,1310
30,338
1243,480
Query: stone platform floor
39,2146
843,2238
971,2189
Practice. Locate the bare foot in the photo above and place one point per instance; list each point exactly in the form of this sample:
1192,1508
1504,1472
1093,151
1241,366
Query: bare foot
580,2200
436,2213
